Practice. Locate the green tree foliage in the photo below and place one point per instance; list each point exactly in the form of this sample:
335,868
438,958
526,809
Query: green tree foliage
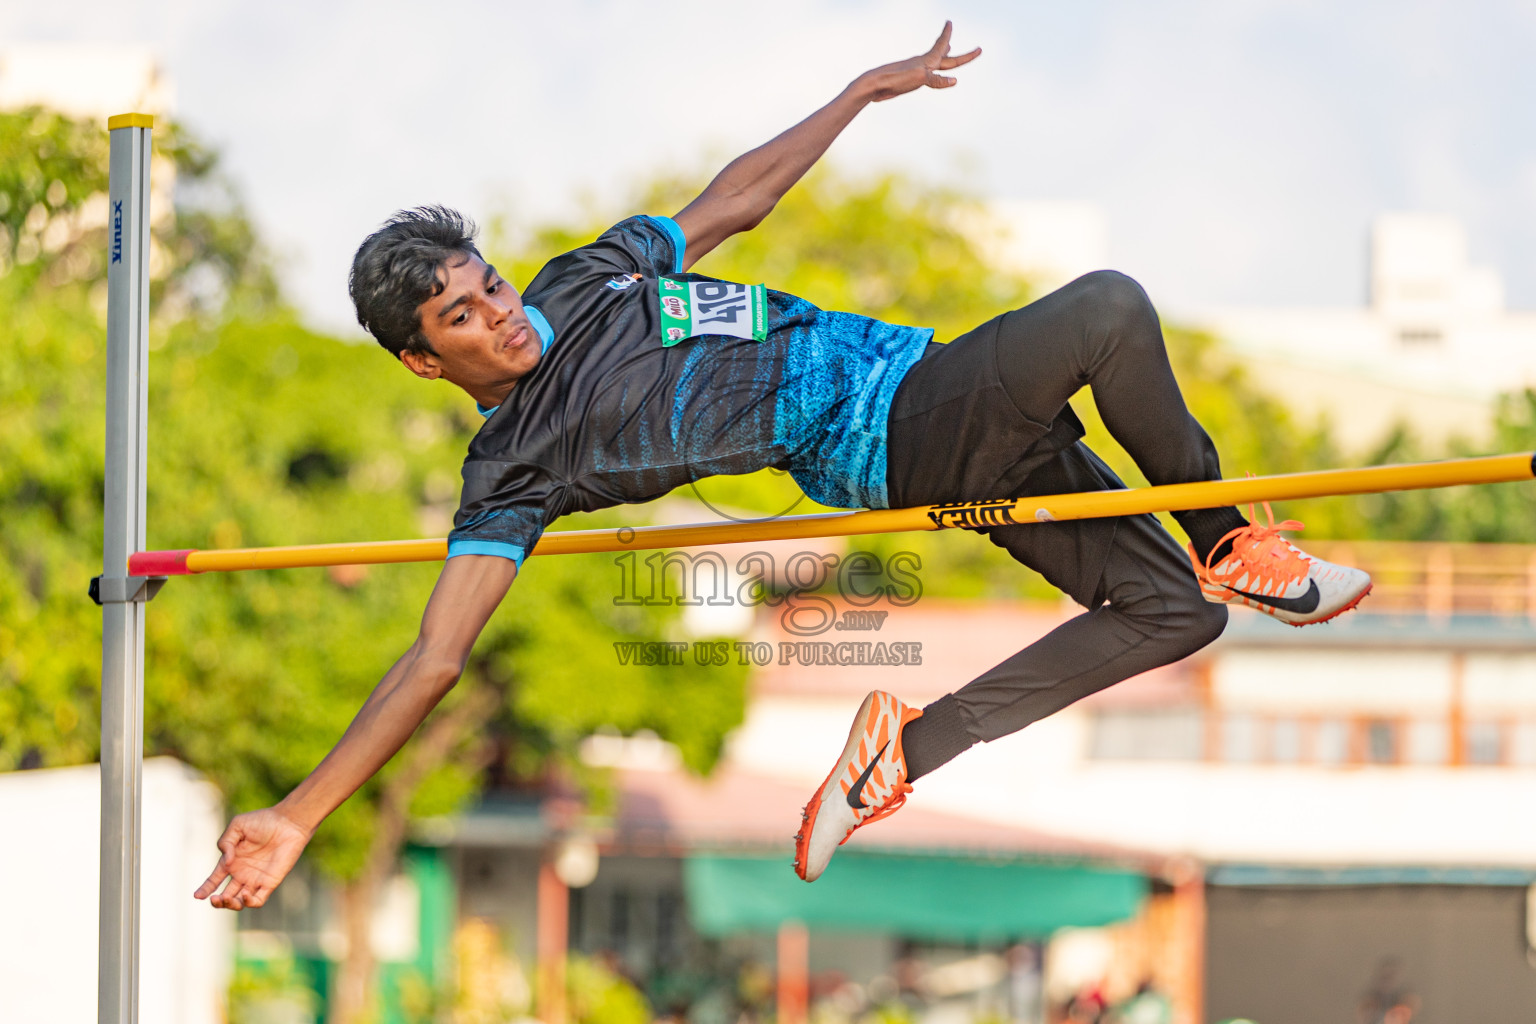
51,414
1496,513
53,245
53,184
600,996
265,433
54,217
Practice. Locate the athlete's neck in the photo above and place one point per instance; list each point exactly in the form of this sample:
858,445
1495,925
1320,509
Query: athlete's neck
489,396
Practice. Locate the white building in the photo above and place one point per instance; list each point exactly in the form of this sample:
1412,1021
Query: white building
1050,242
49,866
1433,349
84,81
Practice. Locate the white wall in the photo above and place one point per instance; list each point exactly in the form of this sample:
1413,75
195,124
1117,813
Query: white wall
49,863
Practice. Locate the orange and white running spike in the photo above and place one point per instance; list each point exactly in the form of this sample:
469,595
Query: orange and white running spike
1266,572
868,782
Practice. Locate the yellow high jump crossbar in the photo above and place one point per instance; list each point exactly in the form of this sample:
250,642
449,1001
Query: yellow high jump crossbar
1002,512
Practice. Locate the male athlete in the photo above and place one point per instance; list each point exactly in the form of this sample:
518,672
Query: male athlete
617,377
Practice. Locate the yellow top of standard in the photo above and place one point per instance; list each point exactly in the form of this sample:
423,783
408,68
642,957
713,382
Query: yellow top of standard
117,121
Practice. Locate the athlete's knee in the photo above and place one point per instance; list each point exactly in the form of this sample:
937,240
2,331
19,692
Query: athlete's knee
1115,303
1189,626
1191,619
1176,615
1207,621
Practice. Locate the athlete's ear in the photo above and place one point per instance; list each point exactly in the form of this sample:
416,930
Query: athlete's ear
423,364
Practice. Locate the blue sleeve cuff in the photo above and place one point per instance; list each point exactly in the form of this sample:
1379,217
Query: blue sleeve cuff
540,324
679,243
487,547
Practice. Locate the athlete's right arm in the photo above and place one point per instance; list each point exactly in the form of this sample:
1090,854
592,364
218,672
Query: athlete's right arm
259,848
750,186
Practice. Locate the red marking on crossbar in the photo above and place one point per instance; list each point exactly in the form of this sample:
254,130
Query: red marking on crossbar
159,563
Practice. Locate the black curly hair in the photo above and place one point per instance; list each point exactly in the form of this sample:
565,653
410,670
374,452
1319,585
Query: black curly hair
399,266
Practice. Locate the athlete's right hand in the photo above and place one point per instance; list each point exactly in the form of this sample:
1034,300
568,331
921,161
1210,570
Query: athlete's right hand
891,80
259,849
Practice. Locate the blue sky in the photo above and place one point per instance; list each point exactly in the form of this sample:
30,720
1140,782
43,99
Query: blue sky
1240,147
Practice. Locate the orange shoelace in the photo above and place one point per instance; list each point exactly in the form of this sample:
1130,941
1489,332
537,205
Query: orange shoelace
1269,558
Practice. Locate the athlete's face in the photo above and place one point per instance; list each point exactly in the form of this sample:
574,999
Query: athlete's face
480,332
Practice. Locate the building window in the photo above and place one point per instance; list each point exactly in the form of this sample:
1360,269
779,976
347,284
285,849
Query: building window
1285,741
1427,743
1240,739
1193,734
1330,742
578,908
670,926
1484,743
1522,744
1420,336
619,907
1176,734
1380,741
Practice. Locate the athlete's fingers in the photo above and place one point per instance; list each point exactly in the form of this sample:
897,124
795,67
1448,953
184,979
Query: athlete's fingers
213,881
964,58
229,840
941,44
230,898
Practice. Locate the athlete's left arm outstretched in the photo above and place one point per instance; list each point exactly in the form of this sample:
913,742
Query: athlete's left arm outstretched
750,186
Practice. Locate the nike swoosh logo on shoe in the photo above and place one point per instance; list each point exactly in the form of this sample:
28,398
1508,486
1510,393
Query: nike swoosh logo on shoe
854,795
1301,605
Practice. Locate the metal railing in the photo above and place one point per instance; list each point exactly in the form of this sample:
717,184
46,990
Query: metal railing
1441,580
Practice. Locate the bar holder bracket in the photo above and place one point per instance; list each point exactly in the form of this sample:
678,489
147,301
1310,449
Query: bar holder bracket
125,589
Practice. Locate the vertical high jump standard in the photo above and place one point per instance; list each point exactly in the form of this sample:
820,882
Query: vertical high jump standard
123,597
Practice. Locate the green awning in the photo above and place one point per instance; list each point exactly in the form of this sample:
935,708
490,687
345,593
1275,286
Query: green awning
914,896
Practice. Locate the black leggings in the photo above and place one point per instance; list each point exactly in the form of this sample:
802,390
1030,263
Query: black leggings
986,416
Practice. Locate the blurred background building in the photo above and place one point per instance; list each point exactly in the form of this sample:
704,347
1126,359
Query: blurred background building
1325,804
1433,347
83,80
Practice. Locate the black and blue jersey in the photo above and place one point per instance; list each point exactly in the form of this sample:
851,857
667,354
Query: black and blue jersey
610,416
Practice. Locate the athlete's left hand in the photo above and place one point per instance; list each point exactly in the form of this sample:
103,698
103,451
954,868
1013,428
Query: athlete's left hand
904,76
259,849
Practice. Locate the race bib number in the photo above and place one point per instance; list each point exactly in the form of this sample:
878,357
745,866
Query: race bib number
691,308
